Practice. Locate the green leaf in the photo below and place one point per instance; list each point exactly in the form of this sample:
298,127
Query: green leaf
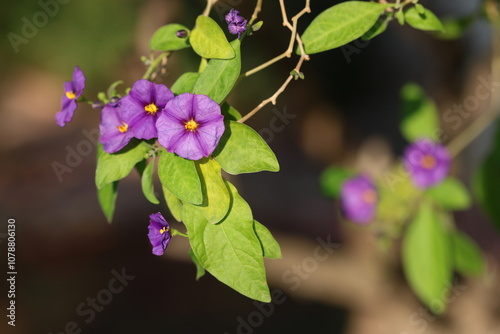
107,199
468,258
180,177
242,150
420,117
427,258
114,167
229,113
200,271
220,75
331,180
165,38
400,16
270,247
379,27
185,83
451,194
426,21
454,28
146,171
216,197
230,251
486,183
341,24
173,203
208,39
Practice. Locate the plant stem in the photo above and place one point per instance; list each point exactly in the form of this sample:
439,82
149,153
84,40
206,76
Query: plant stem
154,65
256,11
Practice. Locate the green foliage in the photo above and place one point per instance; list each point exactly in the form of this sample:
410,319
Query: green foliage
467,257
200,271
379,27
486,184
229,250
450,194
270,247
173,203
180,177
341,24
242,150
331,180
114,167
216,197
420,118
427,258
220,75
146,171
165,38
185,83
454,28
422,19
229,113
107,199
208,40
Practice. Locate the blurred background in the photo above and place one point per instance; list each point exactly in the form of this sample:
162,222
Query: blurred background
345,113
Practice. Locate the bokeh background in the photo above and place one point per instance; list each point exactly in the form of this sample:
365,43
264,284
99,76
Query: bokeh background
345,113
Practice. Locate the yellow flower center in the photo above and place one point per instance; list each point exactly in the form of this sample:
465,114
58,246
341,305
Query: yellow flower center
428,161
151,108
163,230
191,125
70,95
123,128
369,196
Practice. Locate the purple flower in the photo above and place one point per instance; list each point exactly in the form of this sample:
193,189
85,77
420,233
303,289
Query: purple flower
427,162
358,199
159,233
114,128
72,91
236,23
191,126
143,105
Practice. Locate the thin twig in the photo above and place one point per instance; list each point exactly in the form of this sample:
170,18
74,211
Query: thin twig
154,64
256,11
210,4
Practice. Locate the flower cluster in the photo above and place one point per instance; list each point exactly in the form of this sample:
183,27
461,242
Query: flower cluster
236,23
358,199
427,162
189,125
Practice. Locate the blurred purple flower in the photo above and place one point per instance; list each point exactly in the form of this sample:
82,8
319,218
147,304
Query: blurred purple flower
142,106
159,233
236,23
72,91
114,128
358,199
191,126
427,162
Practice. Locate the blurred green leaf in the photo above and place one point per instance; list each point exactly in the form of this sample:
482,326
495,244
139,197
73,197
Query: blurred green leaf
270,247
114,167
331,180
451,194
454,28
216,197
467,256
229,113
420,117
208,40
200,271
379,27
426,21
165,38
180,177
242,150
340,24
238,261
219,76
107,199
427,258
146,171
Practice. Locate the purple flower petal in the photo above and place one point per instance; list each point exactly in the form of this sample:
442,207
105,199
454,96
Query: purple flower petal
190,126
359,199
72,91
114,129
159,233
427,162
78,81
